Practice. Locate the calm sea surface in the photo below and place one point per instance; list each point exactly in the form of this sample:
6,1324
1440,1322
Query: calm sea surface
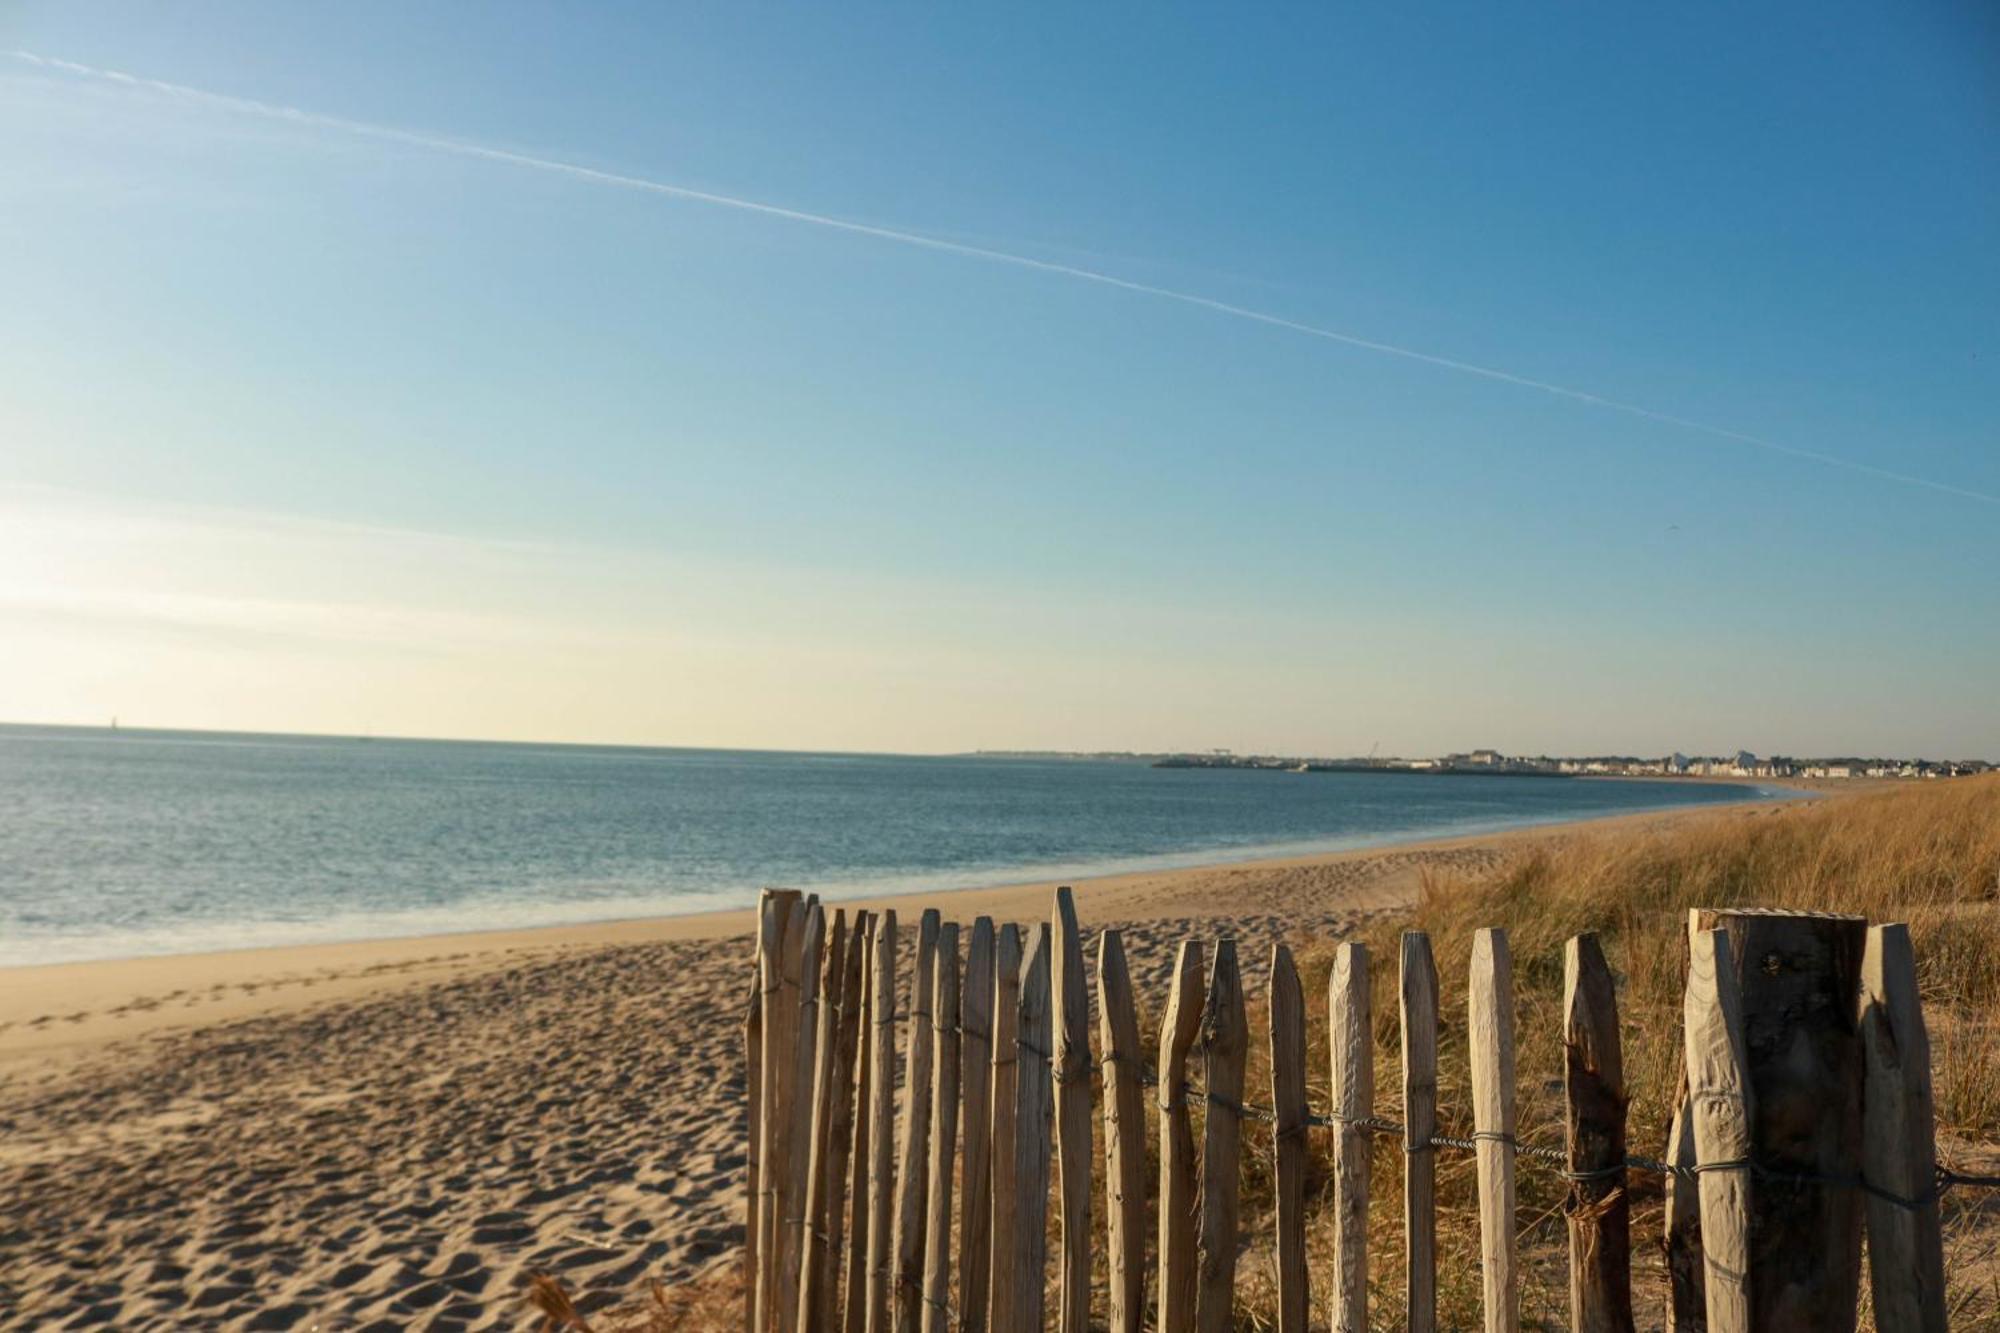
126,843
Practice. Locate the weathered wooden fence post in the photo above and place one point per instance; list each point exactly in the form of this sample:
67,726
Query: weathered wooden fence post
860,1203
975,1211
1006,1147
840,1129
1720,1106
944,1130
1178,1187
1225,1045
1490,1043
1071,1069
1351,1060
800,1088
913,1151
1124,1136
1798,974
1420,1043
773,912
814,1305
881,1124
781,1031
1600,1231
1905,1246
753,1098
1288,1137
1032,1109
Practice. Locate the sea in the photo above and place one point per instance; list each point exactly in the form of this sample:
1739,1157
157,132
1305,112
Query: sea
121,843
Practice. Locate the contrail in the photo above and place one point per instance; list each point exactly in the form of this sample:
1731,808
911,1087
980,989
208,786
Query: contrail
461,148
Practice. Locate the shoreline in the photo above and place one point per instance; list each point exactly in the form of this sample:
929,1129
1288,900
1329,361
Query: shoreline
65,1011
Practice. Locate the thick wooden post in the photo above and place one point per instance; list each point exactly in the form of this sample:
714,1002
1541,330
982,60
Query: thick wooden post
1179,1197
975,1212
1006,1080
1288,1137
800,1091
822,1187
1071,995
1124,1136
881,1125
1420,1085
773,910
1225,1041
1033,1077
860,1204
1905,1246
1600,1230
781,1042
1351,1059
840,1130
1798,975
753,1099
944,1130
913,1150
1490,1042
1721,1107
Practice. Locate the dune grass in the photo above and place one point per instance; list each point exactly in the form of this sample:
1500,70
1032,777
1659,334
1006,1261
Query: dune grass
1927,854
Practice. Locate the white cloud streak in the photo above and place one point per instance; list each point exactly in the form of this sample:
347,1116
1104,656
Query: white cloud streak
462,148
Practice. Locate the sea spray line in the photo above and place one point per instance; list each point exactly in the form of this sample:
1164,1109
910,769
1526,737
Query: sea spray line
463,148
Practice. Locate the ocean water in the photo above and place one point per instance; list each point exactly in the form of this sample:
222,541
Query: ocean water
116,844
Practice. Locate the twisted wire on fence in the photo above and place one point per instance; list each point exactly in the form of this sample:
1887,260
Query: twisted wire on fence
1943,1177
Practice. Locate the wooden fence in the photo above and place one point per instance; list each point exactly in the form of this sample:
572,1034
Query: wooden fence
1805,1119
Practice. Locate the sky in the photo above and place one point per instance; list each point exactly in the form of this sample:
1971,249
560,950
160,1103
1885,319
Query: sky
1559,379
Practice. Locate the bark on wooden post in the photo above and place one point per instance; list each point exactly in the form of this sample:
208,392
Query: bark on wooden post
860,1204
1033,1105
913,1150
1420,1043
773,914
1071,995
800,1091
753,1100
1599,1211
944,1130
1351,1062
1124,1136
1288,1137
1905,1246
1721,1107
975,1212
815,1304
1006,1081
1490,1041
1225,1040
1179,1199
1798,974
881,1124
840,1132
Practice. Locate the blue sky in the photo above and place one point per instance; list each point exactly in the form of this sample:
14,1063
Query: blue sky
731,478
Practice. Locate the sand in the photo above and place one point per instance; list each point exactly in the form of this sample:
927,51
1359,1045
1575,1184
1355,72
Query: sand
398,1133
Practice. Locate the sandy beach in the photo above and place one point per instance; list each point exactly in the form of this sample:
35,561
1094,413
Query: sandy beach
397,1133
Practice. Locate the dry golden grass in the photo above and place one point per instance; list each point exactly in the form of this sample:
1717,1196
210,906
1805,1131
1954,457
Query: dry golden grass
1928,855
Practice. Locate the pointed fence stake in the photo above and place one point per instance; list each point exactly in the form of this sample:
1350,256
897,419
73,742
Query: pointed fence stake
860,1207
1178,1183
1721,1108
881,1124
1420,1043
944,1130
913,1149
1070,992
1225,1045
1006,1079
1351,1058
1124,1136
1599,1212
1899,1145
1288,1137
975,1215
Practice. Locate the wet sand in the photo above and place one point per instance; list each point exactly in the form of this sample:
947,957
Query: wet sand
397,1133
